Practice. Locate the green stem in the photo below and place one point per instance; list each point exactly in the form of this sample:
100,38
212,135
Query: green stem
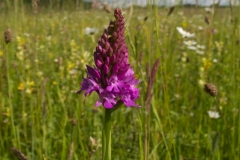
107,135
9,95
106,132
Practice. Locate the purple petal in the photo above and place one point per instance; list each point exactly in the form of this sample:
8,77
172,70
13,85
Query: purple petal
108,104
94,73
114,84
89,85
98,103
105,69
109,99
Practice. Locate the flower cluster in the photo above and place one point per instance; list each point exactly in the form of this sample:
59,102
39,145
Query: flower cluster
112,77
191,44
213,114
185,33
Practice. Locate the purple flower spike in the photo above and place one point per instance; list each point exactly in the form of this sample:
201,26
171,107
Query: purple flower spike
112,77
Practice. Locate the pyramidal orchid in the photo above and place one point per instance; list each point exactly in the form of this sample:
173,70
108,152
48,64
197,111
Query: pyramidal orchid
112,77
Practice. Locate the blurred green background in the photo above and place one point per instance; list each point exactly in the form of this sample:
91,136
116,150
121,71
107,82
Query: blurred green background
41,67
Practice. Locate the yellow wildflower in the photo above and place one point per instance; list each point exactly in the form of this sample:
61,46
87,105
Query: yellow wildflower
20,41
50,55
28,91
31,83
70,65
73,43
184,24
53,26
8,113
24,114
136,76
1,53
54,41
73,46
206,63
21,86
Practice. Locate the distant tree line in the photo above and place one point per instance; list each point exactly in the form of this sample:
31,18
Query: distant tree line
47,3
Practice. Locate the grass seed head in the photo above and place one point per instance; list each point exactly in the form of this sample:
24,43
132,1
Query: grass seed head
18,154
170,10
74,122
211,89
106,7
8,35
207,20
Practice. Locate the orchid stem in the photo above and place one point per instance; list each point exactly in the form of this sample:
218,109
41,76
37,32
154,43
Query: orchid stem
106,132
107,135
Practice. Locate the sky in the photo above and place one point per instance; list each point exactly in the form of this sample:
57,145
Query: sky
126,3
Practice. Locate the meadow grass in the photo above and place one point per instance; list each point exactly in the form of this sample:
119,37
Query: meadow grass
43,117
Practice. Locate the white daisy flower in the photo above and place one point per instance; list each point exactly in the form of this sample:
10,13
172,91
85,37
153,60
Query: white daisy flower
190,43
201,82
201,46
90,31
209,10
27,34
192,47
213,114
185,33
200,52
200,27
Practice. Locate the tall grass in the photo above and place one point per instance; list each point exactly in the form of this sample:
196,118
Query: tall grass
42,116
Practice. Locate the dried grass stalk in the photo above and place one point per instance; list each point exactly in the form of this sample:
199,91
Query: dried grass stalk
107,8
151,80
170,11
18,154
70,154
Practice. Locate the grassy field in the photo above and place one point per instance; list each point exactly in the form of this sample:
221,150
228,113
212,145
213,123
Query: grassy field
43,117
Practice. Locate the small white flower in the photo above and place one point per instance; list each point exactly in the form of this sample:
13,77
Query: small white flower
184,59
180,13
140,17
209,10
235,110
185,33
201,69
201,82
90,31
200,52
213,114
215,60
190,43
192,47
201,46
200,27
27,34
177,96
73,71
39,73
